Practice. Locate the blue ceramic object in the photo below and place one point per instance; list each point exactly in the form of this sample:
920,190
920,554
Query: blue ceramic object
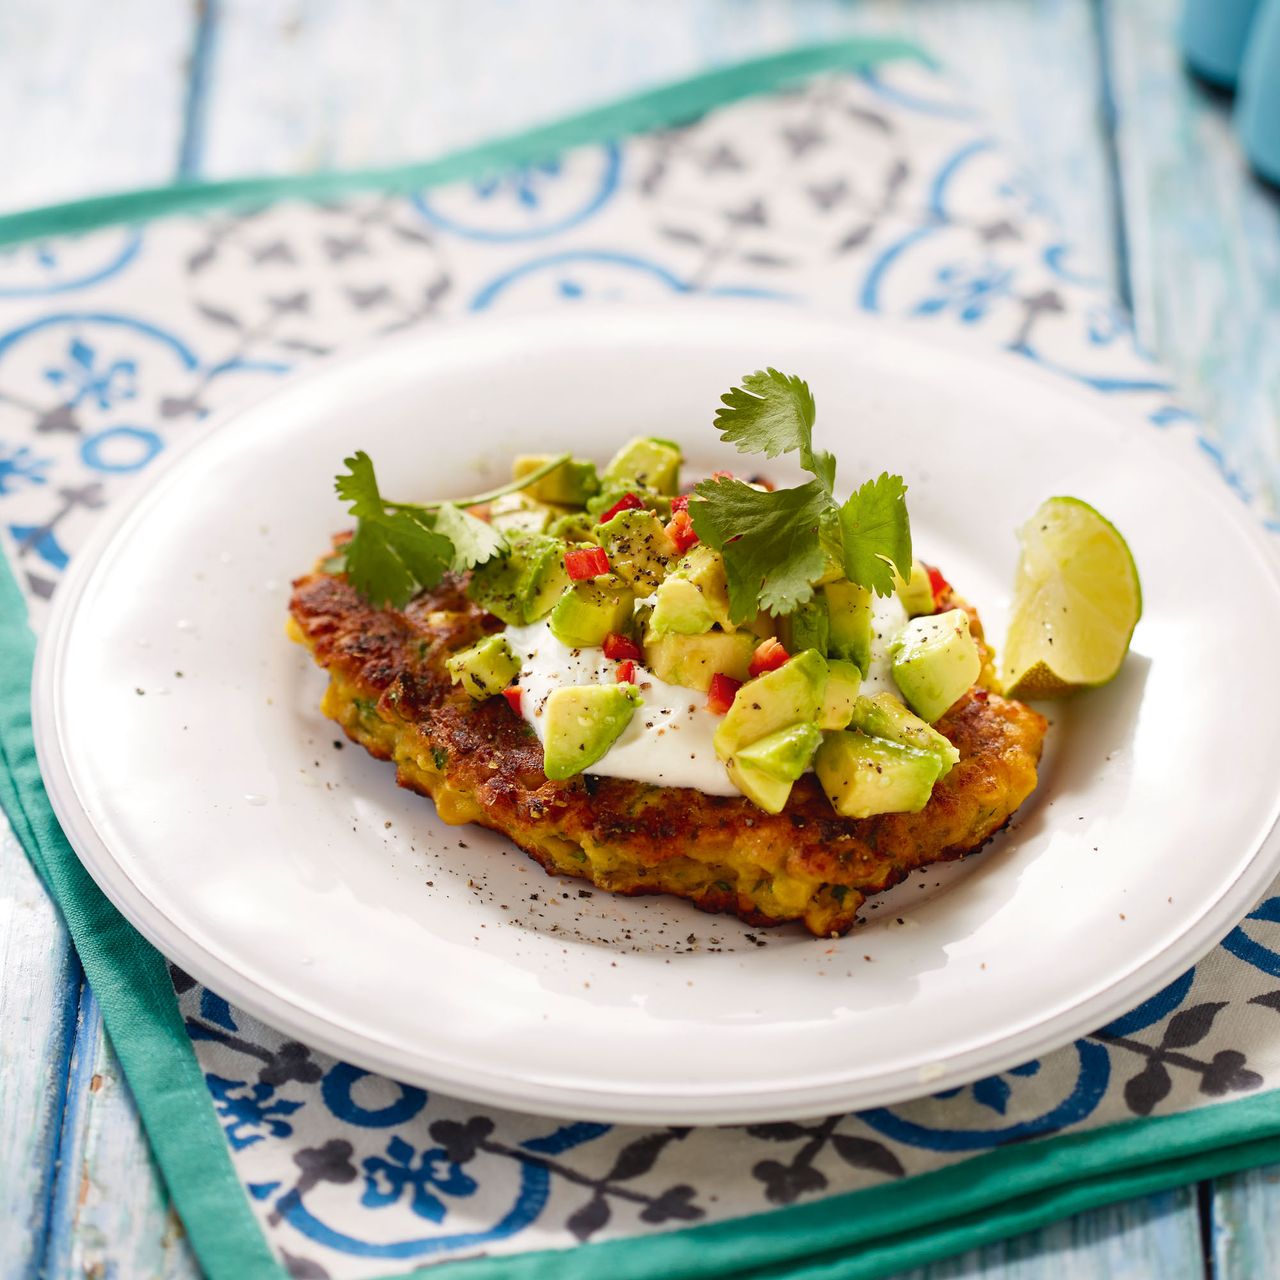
1258,104
1214,36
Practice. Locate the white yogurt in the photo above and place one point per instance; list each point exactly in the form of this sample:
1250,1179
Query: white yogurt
669,741
888,617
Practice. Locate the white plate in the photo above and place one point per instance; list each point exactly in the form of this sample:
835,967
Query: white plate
180,739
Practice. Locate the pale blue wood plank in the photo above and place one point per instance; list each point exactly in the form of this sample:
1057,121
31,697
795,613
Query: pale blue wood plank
90,96
39,995
1246,1225
1204,242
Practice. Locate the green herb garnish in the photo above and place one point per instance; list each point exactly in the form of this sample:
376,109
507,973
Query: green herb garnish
400,548
776,545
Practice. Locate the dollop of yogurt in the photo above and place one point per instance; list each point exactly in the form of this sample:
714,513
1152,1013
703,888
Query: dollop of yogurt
670,740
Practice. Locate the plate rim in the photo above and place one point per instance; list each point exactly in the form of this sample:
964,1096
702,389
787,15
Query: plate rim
781,1102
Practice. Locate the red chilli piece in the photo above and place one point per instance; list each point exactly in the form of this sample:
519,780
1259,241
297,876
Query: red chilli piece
722,692
619,647
628,502
680,502
681,531
769,656
513,694
581,563
937,584
626,673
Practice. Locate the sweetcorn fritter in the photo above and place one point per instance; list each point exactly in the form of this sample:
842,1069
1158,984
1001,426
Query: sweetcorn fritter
480,762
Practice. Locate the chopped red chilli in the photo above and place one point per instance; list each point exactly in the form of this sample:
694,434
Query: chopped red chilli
680,502
722,692
938,584
512,694
769,656
628,502
619,647
626,672
681,531
581,563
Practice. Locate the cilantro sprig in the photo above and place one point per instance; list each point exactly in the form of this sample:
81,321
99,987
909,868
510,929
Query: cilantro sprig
401,548
776,545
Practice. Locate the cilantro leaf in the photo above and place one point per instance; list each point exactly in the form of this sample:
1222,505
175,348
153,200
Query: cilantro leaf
393,554
876,533
474,540
773,413
359,486
770,543
375,570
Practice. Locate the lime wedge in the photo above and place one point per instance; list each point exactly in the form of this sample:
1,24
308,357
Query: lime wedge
1076,601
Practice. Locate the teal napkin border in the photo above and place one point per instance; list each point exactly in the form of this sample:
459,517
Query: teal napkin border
858,1235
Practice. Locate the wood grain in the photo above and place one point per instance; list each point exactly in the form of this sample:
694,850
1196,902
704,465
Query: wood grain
91,96
1203,242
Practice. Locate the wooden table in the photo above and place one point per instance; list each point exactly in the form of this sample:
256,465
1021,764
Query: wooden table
1140,162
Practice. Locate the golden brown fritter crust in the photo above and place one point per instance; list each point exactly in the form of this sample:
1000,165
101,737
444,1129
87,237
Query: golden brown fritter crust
482,763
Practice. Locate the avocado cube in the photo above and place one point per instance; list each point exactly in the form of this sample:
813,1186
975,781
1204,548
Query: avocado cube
915,592
694,596
849,609
576,526
486,668
885,717
864,776
522,585
935,660
762,789
843,682
691,661
638,548
590,609
518,513
571,483
784,754
649,461
807,627
581,723
792,694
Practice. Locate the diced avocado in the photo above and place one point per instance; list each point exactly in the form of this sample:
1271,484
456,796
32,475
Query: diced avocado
518,513
849,607
484,669
638,548
863,776
935,660
650,461
792,694
915,592
521,586
577,526
590,609
885,717
807,627
762,789
843,682
582,722
571,484
785,754
694,596
691,661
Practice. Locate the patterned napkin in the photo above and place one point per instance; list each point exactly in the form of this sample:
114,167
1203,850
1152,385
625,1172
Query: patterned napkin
874,190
